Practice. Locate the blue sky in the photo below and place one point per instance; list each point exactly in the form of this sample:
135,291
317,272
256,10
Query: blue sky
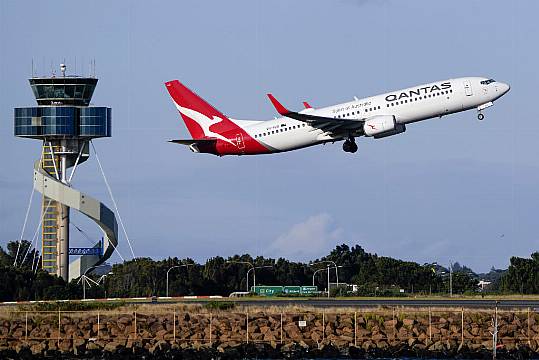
450,189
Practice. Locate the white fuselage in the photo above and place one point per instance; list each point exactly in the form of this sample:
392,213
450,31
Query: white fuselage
407,106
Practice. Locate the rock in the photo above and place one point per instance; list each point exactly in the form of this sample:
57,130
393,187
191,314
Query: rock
65,346
389,324
52,345
38,348
112,346
91,346
161,334
437,346
78,346
408,322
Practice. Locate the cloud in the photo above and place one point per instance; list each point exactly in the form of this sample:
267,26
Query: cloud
306,240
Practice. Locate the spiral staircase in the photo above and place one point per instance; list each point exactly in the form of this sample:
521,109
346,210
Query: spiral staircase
56,193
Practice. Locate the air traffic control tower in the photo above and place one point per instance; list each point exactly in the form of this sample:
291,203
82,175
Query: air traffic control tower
65,123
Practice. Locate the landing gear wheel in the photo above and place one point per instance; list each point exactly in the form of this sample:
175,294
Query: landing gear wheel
349,146
480,116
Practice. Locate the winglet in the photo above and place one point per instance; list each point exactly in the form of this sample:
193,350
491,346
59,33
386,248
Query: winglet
280,108
307,106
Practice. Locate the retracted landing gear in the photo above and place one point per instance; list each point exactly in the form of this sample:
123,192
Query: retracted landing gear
350,145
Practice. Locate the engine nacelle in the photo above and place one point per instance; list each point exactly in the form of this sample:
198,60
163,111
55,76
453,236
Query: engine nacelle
379,124
399,128
382,125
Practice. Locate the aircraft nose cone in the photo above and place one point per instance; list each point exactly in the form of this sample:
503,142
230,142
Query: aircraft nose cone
504,88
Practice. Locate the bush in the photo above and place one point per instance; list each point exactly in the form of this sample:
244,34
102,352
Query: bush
219,305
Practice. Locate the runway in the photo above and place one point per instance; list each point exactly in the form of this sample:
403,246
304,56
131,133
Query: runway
525,303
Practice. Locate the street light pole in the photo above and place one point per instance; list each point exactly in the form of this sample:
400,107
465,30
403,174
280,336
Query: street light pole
450,279
244,262
328,280
254,273
316,272
85,278
254,277
173,267
102,278
328,267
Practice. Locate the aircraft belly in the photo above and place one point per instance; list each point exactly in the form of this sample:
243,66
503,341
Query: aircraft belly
285,142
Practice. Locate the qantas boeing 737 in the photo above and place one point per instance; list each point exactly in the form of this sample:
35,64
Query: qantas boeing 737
377,116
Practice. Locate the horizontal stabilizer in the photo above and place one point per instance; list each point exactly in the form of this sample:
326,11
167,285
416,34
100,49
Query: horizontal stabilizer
194,141
198,145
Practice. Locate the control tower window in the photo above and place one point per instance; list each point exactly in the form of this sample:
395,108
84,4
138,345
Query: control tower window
486,82
79,89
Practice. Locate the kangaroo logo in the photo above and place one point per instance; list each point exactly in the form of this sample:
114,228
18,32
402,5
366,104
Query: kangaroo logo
204,122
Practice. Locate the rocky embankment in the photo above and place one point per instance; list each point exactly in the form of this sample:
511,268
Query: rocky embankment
232,335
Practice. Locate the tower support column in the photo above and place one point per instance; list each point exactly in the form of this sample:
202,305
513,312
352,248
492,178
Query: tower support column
63,219
63,242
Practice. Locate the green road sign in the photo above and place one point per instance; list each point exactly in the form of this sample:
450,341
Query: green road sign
286,290
292,290
267,290
309,290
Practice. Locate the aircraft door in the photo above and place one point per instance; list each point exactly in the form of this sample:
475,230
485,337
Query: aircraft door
467,88
239,141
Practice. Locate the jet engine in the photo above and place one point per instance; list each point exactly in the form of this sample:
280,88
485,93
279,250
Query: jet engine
382,125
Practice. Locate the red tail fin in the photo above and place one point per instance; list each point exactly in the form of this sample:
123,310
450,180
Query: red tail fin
197,114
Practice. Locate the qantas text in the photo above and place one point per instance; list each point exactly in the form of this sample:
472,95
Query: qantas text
418,91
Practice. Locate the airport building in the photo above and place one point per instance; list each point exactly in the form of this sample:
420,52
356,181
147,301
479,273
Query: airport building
65,122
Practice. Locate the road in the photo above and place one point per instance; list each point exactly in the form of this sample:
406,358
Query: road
324,303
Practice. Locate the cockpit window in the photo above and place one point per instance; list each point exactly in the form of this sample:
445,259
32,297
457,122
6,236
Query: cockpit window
486,82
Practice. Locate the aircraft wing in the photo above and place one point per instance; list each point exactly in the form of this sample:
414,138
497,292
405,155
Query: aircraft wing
321,122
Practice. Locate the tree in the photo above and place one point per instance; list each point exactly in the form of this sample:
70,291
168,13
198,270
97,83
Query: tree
522,276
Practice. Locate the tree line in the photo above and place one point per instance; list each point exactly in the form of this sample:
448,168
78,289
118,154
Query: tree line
374,276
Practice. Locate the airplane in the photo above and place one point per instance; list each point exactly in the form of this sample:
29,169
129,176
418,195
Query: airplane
378,117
